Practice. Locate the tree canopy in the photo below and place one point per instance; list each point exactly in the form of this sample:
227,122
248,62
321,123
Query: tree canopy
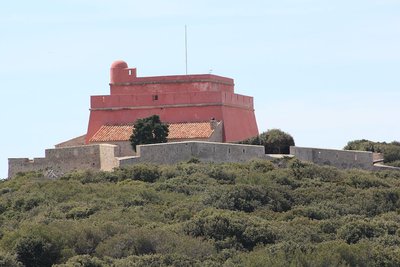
149,130
275,141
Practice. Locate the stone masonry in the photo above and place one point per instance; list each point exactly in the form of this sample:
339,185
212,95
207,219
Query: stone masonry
105,157
343,159
58,161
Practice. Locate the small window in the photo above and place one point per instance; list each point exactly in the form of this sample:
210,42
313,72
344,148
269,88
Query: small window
355,157
129,72
155,97
229,150
244,151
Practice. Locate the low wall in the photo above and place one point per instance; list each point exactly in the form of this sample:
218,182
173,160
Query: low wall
62,160
171,153
343,159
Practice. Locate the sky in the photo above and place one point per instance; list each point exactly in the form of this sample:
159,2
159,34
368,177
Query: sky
327,72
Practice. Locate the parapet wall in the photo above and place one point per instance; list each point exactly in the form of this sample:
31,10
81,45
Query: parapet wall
162,99
343,159
62,160
171,153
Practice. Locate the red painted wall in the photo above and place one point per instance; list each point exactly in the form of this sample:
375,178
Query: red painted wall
184,98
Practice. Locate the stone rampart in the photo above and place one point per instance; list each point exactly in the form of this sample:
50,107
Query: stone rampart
343,159
62,160
170,153
105,157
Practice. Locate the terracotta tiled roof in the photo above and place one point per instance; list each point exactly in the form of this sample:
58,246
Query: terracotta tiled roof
112,133
192,130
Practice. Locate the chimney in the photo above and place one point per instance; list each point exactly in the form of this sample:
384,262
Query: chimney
213,123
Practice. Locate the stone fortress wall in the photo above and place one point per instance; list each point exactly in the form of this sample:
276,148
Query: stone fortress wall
343,159
59,161
170,153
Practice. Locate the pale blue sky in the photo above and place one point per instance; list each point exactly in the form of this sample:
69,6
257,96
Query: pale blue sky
325,71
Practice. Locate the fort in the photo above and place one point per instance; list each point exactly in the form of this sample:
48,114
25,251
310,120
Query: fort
59,161
205,118
176,99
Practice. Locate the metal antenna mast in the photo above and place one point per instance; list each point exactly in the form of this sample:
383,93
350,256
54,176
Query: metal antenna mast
186,54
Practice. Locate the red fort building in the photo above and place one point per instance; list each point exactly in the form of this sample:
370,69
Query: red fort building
197,107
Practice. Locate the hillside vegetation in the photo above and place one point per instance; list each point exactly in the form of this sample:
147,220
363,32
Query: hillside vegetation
286,213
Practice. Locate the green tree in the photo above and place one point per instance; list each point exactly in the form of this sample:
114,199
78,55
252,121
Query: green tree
275,141
149,130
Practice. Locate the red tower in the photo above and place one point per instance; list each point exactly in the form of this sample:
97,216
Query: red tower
176,99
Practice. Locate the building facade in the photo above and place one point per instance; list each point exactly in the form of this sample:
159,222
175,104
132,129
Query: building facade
176,99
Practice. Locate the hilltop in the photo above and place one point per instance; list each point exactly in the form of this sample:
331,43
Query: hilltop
258,213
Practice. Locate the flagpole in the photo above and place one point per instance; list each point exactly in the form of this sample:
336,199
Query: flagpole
186,55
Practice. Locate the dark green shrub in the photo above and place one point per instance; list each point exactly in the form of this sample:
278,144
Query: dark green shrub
83,261
313,212
5,190
229,227
391,154
7,260
81,212
353,232
261,165
188,184
23,204
3,208
301,170
359,180
379,201
193,160
363,145
222,174
159,260
35,251
185,169
275,141
248,197
141,172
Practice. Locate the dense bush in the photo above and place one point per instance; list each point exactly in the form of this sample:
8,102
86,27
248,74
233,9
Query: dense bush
353,232
282,213
34,251
275,141
231,229
141,172
8,260
248,197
